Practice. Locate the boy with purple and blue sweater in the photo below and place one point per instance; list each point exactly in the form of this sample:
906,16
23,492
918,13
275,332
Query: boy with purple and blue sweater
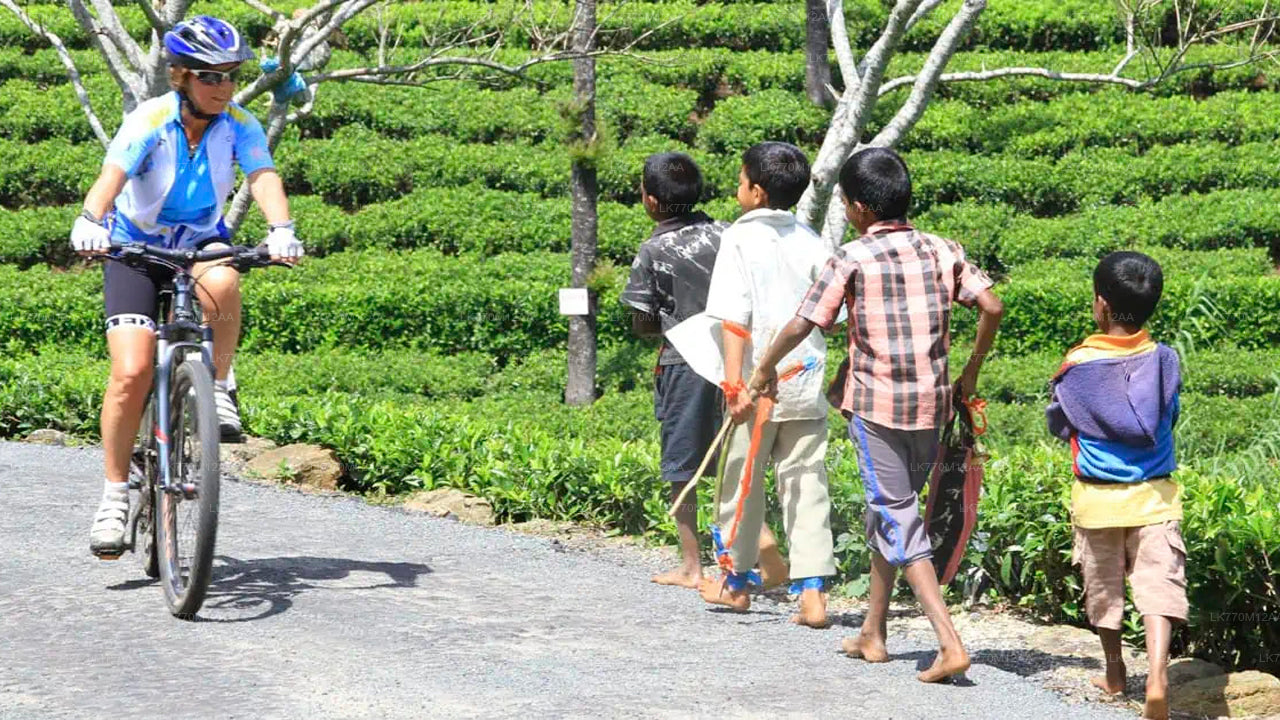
1116,401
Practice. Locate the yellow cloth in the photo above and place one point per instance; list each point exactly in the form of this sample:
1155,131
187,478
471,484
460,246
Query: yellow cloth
1097,505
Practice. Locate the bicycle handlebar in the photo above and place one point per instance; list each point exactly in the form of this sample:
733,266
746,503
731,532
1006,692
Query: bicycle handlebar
242,257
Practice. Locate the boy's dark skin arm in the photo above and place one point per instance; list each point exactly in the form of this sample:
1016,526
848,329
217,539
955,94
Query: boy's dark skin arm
990,310
765,378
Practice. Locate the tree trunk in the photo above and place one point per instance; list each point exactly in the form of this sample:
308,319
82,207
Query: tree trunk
817,69
581,386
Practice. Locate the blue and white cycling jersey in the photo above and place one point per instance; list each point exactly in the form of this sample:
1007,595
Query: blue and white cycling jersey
175,198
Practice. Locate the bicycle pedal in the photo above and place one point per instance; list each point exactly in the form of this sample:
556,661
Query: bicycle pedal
105,556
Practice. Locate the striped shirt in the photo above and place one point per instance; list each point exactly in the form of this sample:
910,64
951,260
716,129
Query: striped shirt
899,285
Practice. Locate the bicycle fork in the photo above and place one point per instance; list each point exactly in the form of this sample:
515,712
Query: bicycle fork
167,352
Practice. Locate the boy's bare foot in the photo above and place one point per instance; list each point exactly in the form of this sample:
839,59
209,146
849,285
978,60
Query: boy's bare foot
813,610
865,647
947,663
715,592
1113,682
1157,705
773,569
679,577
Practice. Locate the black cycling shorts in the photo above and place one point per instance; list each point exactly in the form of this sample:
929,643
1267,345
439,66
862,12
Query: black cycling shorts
132,295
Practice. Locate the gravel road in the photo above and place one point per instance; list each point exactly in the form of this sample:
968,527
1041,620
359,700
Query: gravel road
326,607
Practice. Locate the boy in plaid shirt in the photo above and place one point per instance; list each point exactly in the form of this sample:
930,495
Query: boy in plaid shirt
899,285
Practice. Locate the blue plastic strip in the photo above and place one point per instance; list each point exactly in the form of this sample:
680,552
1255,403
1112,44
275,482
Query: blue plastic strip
799,585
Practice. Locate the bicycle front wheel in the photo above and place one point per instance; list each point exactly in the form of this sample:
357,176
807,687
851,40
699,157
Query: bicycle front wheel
187,510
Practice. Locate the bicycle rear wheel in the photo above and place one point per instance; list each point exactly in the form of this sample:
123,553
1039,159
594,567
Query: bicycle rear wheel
187,511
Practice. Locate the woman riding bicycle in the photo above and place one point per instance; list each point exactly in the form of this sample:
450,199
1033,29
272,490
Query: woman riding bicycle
165,180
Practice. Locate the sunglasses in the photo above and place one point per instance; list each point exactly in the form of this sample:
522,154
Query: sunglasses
214,78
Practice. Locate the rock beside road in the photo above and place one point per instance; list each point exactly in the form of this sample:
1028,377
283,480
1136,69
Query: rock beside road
450,502
1235,695
306,465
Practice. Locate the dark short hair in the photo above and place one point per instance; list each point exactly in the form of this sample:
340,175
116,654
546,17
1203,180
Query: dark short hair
674,180
781,169
1131,284
878,178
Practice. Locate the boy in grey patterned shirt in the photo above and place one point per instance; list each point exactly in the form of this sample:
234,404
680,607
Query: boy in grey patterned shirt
668,284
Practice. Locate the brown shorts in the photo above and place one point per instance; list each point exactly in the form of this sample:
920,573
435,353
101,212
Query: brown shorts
1151,556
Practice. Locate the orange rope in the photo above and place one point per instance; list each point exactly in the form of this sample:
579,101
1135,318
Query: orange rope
733,389
763,409
739,330
978,412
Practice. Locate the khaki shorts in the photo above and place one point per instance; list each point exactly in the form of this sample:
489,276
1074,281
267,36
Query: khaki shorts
1152,557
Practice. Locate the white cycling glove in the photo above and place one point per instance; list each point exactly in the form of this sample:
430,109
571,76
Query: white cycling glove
283,244
88,236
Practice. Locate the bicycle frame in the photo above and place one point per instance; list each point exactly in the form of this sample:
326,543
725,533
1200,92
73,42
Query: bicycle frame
173,339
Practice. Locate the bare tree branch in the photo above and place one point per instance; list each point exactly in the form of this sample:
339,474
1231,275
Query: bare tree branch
851,112
348,9
72,72
844,51
175,10
116,33
265,9
127,78
975,76
375,74
153,17
925,9
925,82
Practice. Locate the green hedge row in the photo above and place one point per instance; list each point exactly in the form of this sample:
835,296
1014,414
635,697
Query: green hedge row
337,169
1052,313
473,114
505,306
1096,176
41,235
30,112
465,219
51,172
999,238
1111,118
479,220
1223,371
714,71
1075,25
462,110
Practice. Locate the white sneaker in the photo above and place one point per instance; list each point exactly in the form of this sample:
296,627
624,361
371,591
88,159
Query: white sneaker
106,538
228,416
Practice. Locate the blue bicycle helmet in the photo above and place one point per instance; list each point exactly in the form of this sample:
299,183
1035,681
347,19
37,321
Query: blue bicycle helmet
203,41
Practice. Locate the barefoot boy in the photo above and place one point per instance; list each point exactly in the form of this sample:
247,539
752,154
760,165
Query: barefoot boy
767,260
668,284
1116,401
899,285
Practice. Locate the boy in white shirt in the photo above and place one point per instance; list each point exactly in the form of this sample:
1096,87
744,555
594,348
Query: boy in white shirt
766,264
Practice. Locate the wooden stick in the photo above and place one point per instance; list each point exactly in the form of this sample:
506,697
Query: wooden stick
706,460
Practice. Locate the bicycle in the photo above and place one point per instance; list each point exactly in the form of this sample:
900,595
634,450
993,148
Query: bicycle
175,467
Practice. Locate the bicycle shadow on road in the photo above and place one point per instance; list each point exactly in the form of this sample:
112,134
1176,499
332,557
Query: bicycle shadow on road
248,590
